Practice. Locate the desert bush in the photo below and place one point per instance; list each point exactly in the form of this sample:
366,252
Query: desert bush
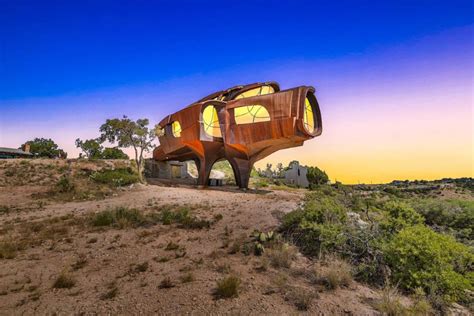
317,227
227,287
116,178
422,258
119,217
399,216
65,185
452,216
64,281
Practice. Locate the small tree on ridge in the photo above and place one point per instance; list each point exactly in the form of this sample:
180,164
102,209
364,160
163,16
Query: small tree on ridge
129,133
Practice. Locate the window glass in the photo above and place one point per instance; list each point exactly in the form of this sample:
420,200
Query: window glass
257,91
176,128
308,116
210,122
251,114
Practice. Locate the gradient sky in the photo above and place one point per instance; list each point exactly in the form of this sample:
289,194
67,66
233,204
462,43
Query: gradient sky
394,79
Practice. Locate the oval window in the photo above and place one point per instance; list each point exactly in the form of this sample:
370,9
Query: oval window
262,90
251,114
176,129
210,121
308,117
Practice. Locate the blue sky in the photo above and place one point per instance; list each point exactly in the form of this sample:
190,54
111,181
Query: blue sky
56,47
399,70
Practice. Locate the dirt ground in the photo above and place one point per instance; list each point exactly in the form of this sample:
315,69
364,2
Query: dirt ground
121,271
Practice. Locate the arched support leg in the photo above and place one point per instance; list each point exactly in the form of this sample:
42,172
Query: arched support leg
204,167
242,169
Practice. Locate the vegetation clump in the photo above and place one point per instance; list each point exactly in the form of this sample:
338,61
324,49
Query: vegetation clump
119,217
388,238
64,281
65,185
227,287
422,258
116,178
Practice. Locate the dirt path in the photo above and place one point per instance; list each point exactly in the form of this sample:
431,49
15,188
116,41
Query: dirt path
119,271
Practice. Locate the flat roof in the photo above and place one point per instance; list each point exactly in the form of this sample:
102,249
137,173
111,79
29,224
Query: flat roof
14,151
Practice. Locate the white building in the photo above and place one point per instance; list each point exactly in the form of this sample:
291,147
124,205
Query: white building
297,175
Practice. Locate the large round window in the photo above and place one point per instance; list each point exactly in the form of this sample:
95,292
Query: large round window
176,129
210,121
308,118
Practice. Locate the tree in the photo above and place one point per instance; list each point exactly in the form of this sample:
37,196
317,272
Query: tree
279,171
91,147
317,176
42,147
113,153
128,133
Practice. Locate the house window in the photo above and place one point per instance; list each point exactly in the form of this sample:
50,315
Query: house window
262,90
210,121
251,114
176,129
308,118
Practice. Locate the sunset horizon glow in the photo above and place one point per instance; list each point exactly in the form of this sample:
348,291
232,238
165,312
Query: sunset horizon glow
396,104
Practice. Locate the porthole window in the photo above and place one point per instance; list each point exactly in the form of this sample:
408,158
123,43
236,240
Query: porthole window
308,118
262,90
210,121
176,129
251,114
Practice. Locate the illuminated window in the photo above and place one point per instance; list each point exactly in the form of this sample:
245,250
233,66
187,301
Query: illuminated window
176,129
211,122
308,118
262,90
251,114
159,131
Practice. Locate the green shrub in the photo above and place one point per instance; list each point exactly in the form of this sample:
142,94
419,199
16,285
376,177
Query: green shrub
117,177
317,228
422,258
453,216
120,217
400,215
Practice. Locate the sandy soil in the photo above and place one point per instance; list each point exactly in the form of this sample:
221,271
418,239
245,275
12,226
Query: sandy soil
110,261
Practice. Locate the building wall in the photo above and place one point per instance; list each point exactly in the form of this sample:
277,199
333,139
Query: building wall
297,175
166,169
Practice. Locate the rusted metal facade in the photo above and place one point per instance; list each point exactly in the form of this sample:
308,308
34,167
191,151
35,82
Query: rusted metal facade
291,117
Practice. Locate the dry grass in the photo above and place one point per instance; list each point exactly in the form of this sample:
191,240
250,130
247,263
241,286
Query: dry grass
281,255
228,287
64,281
389,303
300,297
166,283
337,274
188,277
8,249
112,291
